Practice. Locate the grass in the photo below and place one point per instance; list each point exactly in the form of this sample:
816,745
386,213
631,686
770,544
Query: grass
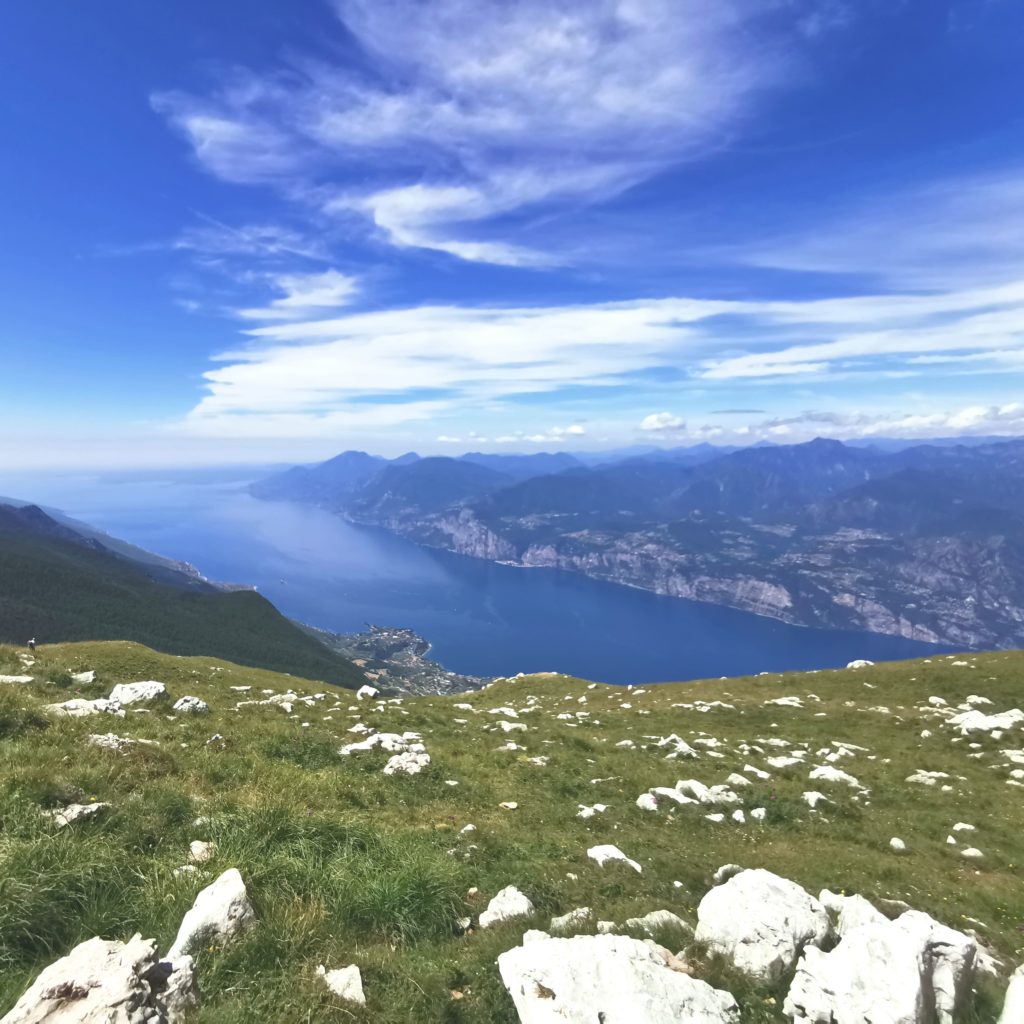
345,865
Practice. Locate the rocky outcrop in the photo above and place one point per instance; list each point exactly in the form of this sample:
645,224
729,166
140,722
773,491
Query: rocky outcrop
761,923
607,978
102,982
909,971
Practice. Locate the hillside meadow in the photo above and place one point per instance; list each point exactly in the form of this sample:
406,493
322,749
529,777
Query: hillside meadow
346,865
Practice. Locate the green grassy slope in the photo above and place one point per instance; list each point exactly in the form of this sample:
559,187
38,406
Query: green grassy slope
56,589
346,865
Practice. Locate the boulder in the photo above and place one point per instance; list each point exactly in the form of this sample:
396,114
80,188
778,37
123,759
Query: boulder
860,663
191,706
365,692
909,971
510,903
344,982
609,978
102,982
1013,1005
220,912
761,922
138,693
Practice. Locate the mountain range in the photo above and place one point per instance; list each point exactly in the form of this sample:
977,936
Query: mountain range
61,580
924,541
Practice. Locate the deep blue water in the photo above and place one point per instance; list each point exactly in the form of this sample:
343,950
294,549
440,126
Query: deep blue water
482,619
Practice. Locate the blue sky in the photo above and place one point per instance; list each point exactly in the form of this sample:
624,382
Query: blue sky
255,231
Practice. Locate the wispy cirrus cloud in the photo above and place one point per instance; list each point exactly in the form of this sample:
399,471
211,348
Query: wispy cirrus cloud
444,360
467,110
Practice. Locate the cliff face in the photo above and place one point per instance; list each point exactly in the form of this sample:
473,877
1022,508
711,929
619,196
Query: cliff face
926,543
938,590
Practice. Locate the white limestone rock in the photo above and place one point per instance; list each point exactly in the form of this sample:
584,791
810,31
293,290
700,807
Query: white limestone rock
761,922
575,919
145,692
412,762
610,978
221,911
977,721
102,982
365,692
909,971
607,853
897,845
200,852
79,707
509,904
850,911
16,679
874,974
345,982
860,663
657,921
1013,1004
191,706
64,816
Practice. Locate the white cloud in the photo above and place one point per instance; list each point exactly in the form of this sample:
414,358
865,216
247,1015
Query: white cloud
470,109
949,232
403,364
662,421
305,295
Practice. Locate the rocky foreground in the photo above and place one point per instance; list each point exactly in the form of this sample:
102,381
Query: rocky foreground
218,844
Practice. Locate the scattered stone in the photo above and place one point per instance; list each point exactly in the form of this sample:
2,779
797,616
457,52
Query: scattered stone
16,679
589,812
860,663
609,978
64,816
657,921
84,678
191,706
220,912
367,691
602,855
200,852
509,904
897,845
647,802
761,922
509,805
578,918
79,707
411,762
972,853
345,982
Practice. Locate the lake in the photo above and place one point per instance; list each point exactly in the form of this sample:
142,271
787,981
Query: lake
482,619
